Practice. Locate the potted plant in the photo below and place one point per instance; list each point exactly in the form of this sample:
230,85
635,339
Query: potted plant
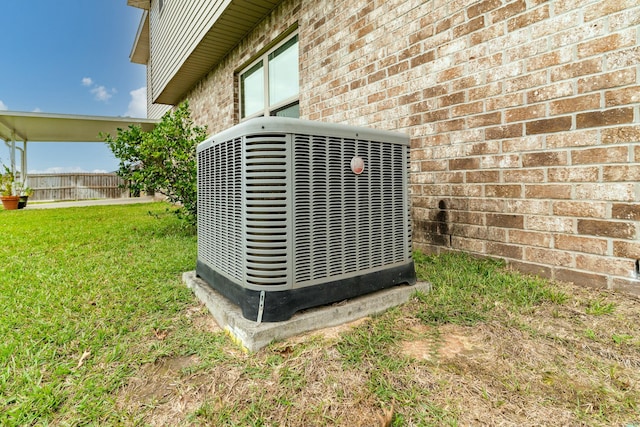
23,193
9,199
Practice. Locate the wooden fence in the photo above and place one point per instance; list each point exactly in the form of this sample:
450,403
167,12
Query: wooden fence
76,186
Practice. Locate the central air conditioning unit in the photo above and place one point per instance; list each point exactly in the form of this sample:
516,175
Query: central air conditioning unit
294,214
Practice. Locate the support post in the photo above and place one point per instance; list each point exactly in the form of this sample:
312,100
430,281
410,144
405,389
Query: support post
23,171
13,153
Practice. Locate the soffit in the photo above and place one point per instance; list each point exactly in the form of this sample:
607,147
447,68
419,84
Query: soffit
227,31
140,51
142,4
46,127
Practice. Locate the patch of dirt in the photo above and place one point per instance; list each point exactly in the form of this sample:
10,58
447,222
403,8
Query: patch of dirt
164,391
330,334
162,386
202,319
550,365
451,341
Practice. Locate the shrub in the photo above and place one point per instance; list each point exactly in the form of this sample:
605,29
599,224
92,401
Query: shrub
162,160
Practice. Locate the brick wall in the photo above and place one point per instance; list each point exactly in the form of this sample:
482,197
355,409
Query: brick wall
523,115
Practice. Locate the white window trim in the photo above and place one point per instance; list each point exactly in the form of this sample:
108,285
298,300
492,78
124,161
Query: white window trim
264,57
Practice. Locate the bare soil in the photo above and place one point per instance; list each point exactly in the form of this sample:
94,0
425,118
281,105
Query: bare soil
554,365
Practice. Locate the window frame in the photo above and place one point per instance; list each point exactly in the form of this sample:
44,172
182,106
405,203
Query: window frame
264,58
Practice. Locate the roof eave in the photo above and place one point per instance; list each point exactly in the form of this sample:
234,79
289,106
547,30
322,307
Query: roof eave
48,127
213,47
140,4
140,50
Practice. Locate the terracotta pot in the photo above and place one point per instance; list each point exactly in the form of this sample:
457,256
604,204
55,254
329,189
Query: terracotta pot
10,202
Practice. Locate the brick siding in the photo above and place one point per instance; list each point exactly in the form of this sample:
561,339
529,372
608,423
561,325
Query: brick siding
523,115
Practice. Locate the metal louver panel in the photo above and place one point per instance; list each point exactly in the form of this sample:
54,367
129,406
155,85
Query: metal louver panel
267,205
220,242
408,206
343,222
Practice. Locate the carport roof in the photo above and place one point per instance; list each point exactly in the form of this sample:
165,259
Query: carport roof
47,127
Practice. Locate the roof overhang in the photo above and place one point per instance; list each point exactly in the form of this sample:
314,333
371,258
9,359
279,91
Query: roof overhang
233,24
142,4
46,127
140,50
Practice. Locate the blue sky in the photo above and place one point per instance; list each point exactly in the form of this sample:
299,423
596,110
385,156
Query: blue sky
70,57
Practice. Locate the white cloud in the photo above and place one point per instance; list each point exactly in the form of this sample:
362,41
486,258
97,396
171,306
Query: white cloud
3,106
37,110
101,93
138,103
64,169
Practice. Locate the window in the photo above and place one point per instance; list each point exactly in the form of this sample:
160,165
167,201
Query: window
270,85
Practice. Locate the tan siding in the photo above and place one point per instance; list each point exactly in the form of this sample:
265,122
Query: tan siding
154,111
149,90
175,34
189,38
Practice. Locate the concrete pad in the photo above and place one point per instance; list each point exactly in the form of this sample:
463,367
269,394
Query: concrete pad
253,336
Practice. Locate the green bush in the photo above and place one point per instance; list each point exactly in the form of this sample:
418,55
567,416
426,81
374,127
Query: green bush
162,160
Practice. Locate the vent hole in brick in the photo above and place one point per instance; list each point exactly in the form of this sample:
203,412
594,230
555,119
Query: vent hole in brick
637,268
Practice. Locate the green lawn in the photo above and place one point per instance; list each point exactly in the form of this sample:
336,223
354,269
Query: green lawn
81,290
96,328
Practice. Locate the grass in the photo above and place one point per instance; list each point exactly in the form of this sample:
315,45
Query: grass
97,329
468,291
92,282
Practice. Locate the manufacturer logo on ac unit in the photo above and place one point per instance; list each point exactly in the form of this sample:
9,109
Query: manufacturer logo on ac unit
357,165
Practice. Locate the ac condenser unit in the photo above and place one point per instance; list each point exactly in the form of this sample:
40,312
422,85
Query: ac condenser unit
294,214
